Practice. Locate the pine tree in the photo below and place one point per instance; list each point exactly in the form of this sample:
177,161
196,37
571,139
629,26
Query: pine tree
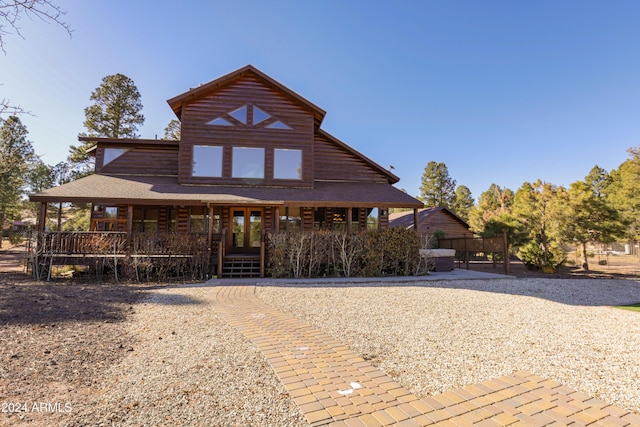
463,202
16,156
587,217
438,188
115,113
173,130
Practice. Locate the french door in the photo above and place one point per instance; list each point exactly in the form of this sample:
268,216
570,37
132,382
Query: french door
246,228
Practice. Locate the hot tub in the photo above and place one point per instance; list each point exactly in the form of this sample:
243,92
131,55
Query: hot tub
444,259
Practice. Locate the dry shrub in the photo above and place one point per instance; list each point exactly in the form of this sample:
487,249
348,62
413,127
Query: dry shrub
392,251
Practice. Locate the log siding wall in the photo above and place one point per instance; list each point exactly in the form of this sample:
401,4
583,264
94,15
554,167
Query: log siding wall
334,163
140,161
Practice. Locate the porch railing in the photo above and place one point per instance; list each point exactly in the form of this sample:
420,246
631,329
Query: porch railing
68,248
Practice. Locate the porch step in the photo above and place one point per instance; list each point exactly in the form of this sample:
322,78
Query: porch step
240,266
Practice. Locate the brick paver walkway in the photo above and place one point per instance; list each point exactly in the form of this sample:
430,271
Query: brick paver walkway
333,386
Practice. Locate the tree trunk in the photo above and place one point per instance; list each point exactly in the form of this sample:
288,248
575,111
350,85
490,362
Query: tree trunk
1,227
60,216
585,263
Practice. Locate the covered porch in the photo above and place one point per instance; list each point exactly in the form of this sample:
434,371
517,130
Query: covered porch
223,227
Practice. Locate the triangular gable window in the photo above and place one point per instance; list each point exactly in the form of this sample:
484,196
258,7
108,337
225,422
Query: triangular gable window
278,125
219,122
240,114
259,115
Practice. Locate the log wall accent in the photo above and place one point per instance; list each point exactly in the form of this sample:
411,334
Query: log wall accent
182,219
307,219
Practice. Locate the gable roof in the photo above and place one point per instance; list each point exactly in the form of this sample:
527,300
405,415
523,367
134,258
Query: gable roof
405,218
177,102
390,177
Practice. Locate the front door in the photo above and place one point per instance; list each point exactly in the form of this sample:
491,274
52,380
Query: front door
246,228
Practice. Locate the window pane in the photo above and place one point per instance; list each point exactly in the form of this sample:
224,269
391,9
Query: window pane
340,219
198,219
372,219
294,219
240,114
287,164
207,161
259,115
248,162
110,212
110,154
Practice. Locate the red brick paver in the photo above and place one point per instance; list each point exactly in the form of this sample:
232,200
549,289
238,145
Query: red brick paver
333,386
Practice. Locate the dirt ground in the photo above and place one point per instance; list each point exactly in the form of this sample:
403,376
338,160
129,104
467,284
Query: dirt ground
57,338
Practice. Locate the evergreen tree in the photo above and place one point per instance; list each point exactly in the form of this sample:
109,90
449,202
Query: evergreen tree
587,217
623,192
438,188
463,202
16,157
536,207
173,130
115,113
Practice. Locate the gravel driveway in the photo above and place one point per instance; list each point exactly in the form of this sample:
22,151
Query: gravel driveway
443,335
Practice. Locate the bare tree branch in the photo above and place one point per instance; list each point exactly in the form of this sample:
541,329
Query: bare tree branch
7,108
11,11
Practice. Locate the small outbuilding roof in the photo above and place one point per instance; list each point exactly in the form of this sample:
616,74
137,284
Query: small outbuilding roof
405,218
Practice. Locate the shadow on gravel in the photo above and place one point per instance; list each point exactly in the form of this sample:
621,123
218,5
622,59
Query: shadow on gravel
24,301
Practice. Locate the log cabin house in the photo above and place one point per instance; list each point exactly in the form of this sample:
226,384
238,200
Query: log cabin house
433,220
252,158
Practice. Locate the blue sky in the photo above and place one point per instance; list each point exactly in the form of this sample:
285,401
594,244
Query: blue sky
500,91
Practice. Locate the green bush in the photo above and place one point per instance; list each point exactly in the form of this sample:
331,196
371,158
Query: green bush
532,256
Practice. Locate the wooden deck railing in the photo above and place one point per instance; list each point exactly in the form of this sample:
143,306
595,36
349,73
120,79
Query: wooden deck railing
69,248
81,243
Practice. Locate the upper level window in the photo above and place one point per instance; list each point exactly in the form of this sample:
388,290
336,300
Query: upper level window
278,125
259,115
240,114
207,161
110,154
247,162
287,164
219,122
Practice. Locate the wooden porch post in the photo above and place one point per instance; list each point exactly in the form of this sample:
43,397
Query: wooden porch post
416,220
42,217
210,239
276,219
505,254
129,227
349,219
210,229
